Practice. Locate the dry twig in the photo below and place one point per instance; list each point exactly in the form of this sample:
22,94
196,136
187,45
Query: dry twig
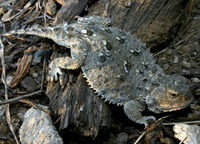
185,122
21,97
37,106
140,137
3,76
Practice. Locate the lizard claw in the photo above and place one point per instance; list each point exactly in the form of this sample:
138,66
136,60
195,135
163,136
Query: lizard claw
53,74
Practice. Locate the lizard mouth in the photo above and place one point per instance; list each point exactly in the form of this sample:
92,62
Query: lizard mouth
175,105
164,109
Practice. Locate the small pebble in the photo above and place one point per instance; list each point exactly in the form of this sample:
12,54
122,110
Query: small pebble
84,31
121,138
165,66
186,64
28,83
35,75
175,59
8,80
169,51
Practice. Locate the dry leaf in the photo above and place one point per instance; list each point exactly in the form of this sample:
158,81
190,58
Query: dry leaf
23,66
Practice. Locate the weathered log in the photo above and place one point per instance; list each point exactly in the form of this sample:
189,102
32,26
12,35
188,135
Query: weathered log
79,106
155,22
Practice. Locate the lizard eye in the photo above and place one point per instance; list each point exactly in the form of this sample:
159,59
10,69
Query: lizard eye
172,95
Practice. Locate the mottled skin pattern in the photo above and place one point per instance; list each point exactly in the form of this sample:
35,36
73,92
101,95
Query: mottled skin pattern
117,66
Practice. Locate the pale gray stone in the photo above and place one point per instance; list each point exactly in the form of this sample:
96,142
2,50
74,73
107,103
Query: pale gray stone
189,134
37,128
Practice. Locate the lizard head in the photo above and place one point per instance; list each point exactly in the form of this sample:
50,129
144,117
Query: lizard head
173,94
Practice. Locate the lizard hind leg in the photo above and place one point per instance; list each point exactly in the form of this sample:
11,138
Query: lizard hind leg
133,109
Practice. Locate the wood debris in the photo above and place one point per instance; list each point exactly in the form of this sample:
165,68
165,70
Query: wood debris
23,66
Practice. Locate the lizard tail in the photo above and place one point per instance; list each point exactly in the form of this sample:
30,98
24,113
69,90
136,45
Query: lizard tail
46,32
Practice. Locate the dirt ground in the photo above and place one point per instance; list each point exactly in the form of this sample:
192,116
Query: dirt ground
180,56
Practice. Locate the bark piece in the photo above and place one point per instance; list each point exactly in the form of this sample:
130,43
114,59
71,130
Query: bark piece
69,10
78,106
23,66
153,21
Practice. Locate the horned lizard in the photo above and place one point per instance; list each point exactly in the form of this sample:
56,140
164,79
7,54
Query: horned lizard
117,65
